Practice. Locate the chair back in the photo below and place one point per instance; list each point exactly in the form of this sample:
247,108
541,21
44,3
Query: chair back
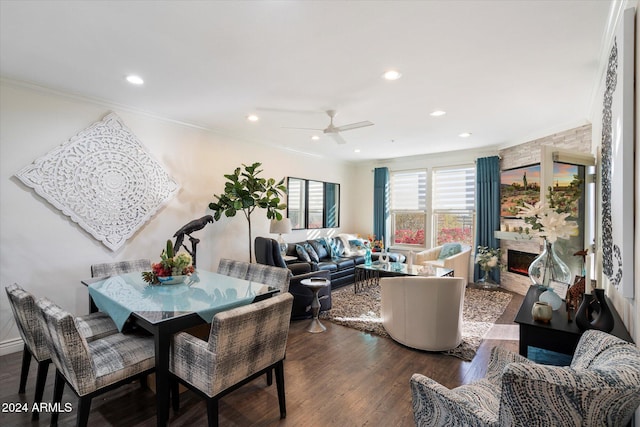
68,348
25,313
423,312
278,277
268,252
233,268
248,339
121,267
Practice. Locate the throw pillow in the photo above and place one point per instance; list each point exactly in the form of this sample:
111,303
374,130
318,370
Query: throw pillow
326,243
302,253
337,248
319,247
313,255
449,249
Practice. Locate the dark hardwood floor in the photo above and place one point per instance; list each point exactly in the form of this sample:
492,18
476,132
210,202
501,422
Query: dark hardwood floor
338,378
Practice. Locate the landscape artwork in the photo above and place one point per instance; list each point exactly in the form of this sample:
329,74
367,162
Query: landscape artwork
518,186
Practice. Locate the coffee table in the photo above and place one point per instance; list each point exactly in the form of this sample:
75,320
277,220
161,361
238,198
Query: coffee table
369,275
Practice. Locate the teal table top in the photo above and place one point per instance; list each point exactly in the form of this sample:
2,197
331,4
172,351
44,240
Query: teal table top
204,293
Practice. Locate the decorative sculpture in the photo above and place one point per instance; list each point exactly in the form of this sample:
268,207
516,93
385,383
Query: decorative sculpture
187,229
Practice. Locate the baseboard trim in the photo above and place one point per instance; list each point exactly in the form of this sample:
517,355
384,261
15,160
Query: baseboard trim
11,346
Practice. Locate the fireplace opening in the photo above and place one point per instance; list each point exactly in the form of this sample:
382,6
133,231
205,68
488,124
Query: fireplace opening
518,262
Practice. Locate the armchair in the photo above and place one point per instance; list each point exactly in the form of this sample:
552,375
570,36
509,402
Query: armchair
600,387
268,253
245,342
458,262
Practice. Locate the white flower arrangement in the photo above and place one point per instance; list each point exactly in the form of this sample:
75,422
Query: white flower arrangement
488,258
547,222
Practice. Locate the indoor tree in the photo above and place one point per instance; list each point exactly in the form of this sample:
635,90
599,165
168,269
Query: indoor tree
245,191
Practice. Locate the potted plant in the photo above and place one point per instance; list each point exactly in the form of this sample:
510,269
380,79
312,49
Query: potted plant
245,191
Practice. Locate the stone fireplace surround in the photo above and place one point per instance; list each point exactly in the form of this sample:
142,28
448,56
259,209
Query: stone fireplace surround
577,140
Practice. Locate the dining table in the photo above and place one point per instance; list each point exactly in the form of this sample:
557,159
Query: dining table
163,310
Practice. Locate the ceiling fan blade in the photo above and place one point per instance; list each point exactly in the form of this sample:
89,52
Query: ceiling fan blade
337,137
353,126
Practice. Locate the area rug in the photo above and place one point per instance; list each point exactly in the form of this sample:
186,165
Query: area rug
361,311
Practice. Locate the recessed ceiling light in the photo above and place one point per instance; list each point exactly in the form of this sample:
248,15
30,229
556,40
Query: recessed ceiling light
464,135
437,113
392,75
315,137
357,150
135,80
253,118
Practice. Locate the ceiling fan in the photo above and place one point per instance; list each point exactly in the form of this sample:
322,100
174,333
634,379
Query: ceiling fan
334,131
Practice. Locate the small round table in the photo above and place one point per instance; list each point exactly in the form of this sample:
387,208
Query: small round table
315,284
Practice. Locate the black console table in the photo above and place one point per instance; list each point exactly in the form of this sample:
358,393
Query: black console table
559,335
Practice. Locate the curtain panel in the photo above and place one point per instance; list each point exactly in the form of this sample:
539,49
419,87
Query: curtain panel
487,208
381,204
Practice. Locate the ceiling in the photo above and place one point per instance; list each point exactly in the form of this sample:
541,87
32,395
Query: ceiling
506,71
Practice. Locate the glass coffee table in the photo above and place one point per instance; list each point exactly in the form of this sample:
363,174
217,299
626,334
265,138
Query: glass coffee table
369,275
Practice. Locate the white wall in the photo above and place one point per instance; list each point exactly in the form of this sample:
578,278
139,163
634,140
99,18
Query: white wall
48,254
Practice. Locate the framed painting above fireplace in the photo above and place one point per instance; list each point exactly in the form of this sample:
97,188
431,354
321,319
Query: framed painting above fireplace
518,185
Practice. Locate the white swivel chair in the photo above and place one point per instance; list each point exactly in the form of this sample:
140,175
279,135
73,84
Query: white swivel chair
423,312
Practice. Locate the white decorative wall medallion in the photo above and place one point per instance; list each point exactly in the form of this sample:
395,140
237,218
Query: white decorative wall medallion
104,179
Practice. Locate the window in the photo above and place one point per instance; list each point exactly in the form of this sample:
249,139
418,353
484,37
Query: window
453,207
313,204
409,207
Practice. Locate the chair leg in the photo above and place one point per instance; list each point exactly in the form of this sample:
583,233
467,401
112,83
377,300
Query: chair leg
84,407
212,412
24,373
58,388
280,386
41,379
269,377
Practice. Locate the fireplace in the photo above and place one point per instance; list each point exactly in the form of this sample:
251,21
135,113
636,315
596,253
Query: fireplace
518,262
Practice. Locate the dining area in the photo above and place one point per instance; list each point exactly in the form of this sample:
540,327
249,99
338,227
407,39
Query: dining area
142,332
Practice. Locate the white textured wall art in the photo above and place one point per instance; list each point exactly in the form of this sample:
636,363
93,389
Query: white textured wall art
104,180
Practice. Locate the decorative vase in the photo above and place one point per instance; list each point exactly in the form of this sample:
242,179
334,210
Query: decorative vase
486,280
384,257
542,312
548,266
594,312
367,256
551,298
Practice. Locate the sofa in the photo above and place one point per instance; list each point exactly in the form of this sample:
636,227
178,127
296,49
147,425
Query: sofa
424,313
600,388
338,255
454,256
268,253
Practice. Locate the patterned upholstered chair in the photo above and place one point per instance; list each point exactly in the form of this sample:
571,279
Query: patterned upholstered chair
245,342
601,387
23,305
91,367
121,267
265,274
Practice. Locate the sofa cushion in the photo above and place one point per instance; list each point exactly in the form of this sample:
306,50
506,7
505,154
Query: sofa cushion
311,252
302,253
449,249
344,263
328,266
319,248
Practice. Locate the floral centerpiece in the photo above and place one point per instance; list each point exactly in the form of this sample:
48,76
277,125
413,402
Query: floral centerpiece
376,245
173,267
488,259
551,222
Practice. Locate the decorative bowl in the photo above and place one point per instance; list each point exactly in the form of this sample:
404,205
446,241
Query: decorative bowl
172,280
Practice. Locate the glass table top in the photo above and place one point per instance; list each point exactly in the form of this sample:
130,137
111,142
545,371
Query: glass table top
204,293
404,269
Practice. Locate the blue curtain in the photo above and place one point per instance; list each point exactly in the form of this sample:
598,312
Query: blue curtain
381,203
487,207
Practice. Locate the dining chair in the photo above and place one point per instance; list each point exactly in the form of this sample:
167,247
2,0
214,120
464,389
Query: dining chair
278,277
90,367
23,305
120,267
233,268
244,343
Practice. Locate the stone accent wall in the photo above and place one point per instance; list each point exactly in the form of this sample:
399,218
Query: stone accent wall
577,140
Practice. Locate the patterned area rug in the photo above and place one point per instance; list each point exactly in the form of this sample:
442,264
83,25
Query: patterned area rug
362,311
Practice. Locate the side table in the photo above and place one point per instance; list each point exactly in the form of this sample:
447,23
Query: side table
560,335
315,284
